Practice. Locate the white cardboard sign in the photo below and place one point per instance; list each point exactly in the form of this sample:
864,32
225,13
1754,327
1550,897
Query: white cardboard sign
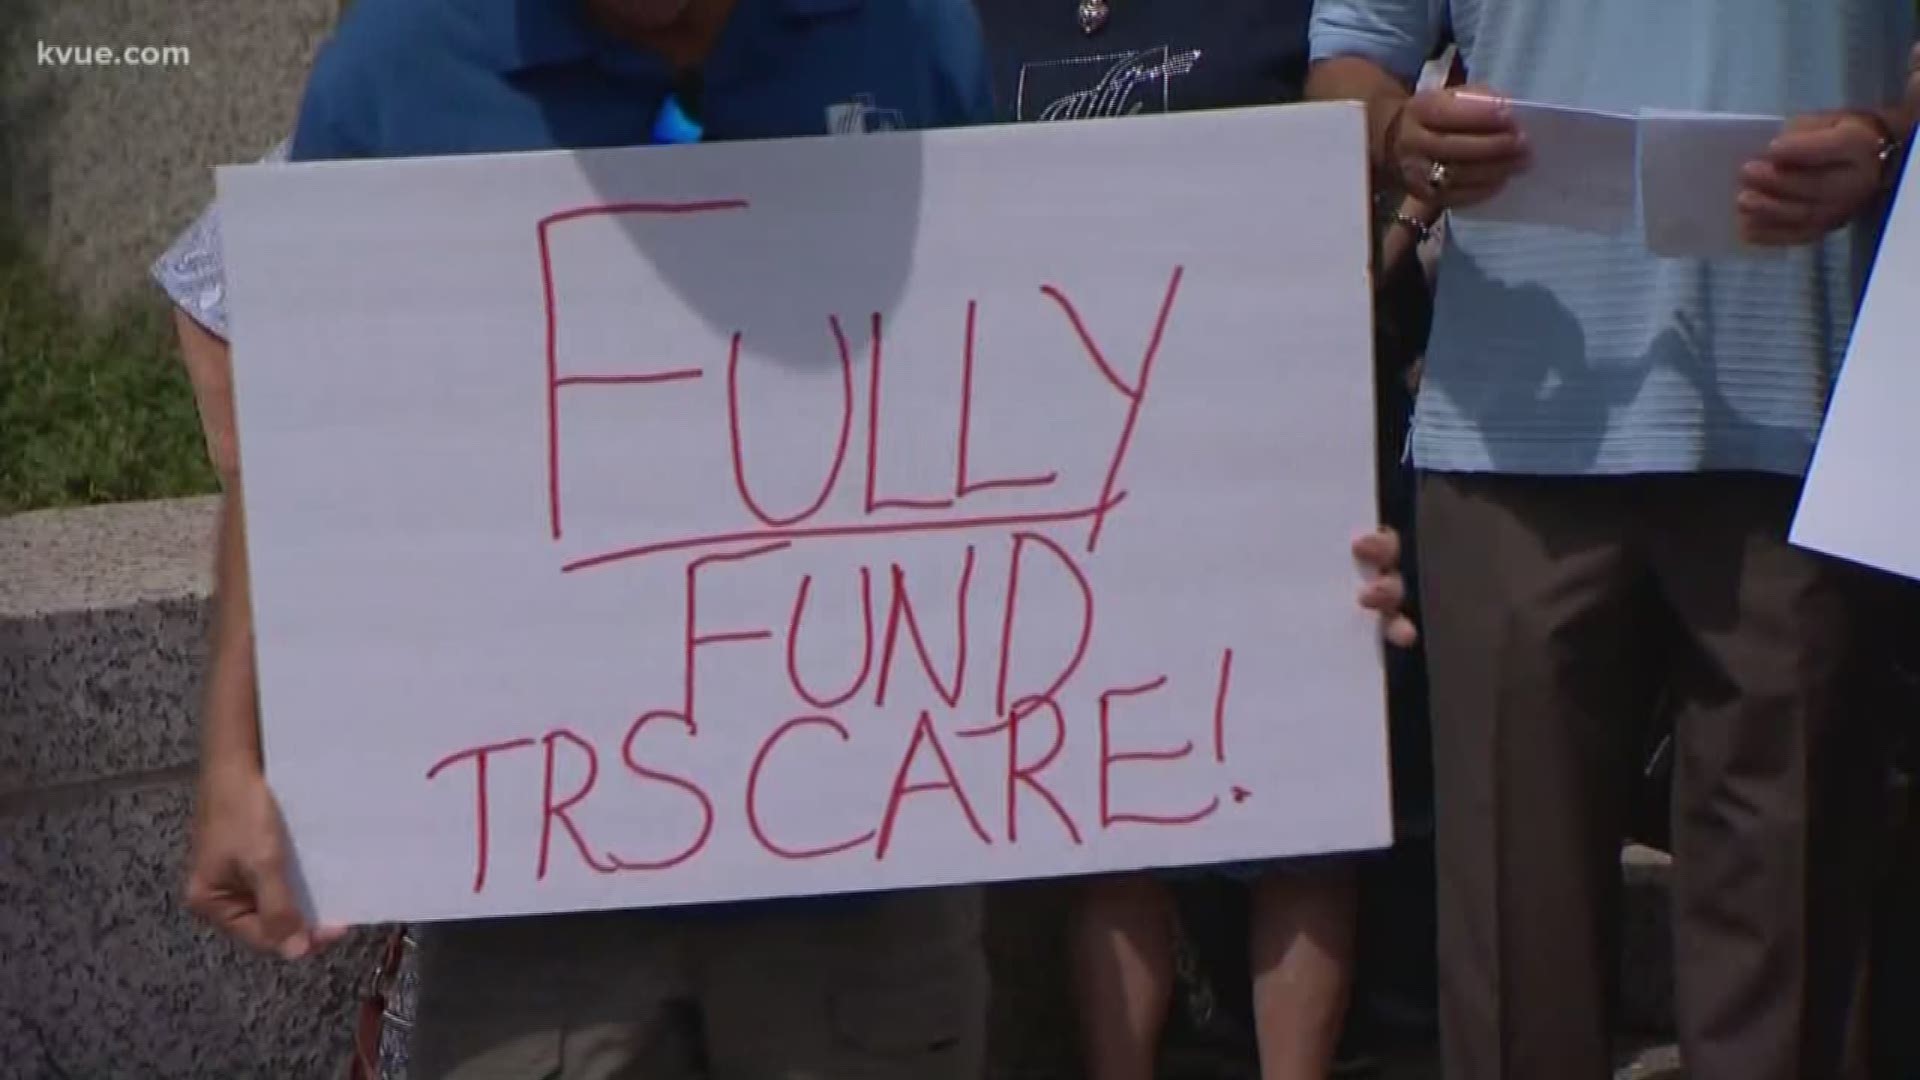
668,525
1856,504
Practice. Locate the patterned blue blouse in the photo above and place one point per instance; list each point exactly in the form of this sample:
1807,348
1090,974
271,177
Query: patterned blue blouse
190,271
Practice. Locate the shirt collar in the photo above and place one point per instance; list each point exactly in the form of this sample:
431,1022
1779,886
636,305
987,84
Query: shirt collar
518,35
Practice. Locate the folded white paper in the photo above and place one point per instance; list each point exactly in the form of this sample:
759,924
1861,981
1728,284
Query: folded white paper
1581,175
1690,165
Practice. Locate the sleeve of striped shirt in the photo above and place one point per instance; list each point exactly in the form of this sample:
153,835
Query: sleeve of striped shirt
1398,35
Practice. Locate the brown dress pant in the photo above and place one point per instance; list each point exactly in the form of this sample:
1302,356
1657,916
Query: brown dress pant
1556,610
891,986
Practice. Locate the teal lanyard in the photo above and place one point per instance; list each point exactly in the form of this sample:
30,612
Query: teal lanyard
675,122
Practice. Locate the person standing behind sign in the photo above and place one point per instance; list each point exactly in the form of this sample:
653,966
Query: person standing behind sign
582,995
901,976
1612,446
1063,60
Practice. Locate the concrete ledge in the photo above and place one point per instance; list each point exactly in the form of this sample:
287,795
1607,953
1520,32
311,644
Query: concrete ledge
102,632
105,557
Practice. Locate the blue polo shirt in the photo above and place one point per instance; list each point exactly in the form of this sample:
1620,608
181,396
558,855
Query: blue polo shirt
1559,353
409,78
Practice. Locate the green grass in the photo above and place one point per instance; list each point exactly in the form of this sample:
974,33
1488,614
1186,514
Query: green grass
91,410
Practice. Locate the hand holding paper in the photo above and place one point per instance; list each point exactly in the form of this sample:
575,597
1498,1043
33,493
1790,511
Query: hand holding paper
1466,139
1821,173
1707,184
1580,175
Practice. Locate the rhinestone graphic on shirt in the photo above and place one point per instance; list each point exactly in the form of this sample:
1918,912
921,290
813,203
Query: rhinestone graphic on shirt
1113,84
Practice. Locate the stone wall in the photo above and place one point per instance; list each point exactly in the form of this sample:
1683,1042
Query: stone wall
102,165
101,630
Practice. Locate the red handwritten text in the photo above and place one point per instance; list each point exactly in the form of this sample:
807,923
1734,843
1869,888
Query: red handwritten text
889,723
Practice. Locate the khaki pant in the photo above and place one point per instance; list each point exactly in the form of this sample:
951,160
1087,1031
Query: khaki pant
889,987
1556,610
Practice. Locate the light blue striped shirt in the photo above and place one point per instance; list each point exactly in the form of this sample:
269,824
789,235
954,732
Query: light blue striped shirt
1561,353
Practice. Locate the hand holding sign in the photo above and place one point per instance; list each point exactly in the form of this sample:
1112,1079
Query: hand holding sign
1385,591
238,873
